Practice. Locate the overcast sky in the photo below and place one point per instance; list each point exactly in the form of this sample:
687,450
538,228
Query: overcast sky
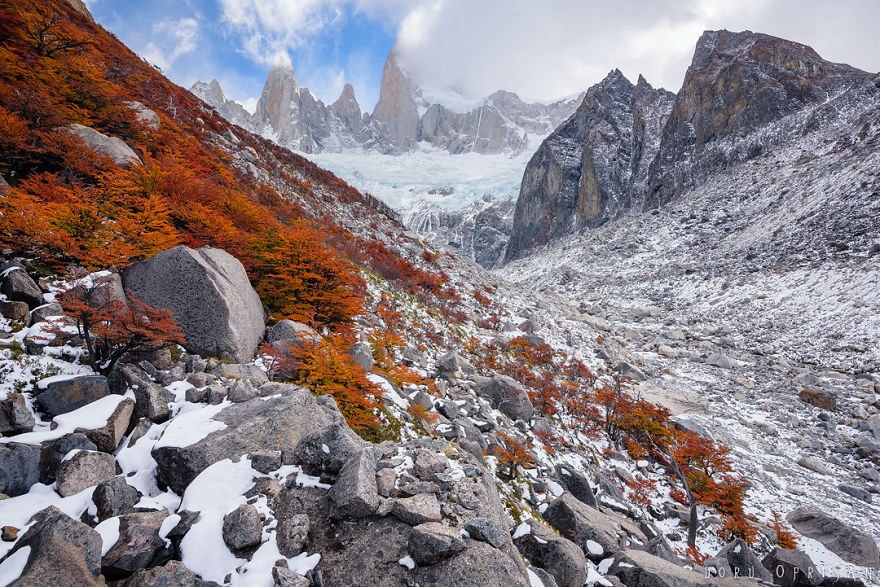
541,49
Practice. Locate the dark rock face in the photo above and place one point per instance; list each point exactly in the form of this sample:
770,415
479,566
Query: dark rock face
18,286
54,451
743,561
242,527
738,83
593,167
67,395
63,551
114,497
139,545
845,541
209,293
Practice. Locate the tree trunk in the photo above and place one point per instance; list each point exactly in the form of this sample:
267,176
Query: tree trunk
692,524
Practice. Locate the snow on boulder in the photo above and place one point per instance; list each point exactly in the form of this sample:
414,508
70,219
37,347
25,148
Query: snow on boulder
210,296
18,286
508,396
557,555
583,524
99,143
65,393
850,544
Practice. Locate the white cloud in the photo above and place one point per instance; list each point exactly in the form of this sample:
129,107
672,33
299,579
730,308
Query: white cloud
176,37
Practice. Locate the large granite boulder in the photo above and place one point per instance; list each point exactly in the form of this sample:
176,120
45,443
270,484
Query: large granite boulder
139,545
853,546
19,467
84,469
508,396
99,143
354,495
209,293
279,422
60,551
18,286
587,527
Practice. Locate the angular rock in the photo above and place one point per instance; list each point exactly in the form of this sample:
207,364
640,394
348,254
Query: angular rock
19,468
284,577
636,568
578,485
171,574
362,355
427,463
485,530
355,495
108,437
112,147
720,360
277,422
210,296
151,399
241,391
581,524
82,470
54,451
18,286
743,561
59,396
818,397
453,364
144,115
325,450
292,534
15,312
792,568
266,461
417,509
15,417
246,372
291,332
138,547
242,528
856,492
508,396
627,370
557,555
478,564
433,542
853,546
63,551
114,497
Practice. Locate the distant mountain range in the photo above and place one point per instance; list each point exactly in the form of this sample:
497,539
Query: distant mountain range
403,118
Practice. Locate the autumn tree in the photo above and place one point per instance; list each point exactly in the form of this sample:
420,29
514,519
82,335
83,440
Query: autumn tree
512,454
112,326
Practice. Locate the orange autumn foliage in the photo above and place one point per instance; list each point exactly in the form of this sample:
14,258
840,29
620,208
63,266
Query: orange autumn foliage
785,538
512,454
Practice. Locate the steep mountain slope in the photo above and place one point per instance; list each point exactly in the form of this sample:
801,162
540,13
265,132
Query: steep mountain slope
593,167
744,94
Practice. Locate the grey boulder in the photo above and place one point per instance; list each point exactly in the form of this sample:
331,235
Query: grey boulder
417,509
138,547
853,546
279,422
18,286
114,497
15,417
99,143
433,542
19,468
63,551
508,396
151,399
292,534
559,556
210,295
171,574
578,485
355,495
291,332
583,525
242,527
478,564
743,561
71,393
325,450
84,469
792,568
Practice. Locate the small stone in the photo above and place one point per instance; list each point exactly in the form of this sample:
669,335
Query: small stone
818,397
284,577
486,530
293,534
9,533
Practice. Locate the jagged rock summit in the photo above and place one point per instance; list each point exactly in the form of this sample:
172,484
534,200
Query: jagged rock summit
401,120
631,147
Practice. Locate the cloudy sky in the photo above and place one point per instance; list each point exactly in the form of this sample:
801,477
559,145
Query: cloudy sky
541,49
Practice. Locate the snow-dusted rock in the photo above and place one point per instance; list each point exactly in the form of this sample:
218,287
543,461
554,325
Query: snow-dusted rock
791,568
108,437
209,294
138,547
84,469
848,543
325,450
508,396
242,527
17,285
151,399
557,555
583,524
62,394
743,561
62,551
114,497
